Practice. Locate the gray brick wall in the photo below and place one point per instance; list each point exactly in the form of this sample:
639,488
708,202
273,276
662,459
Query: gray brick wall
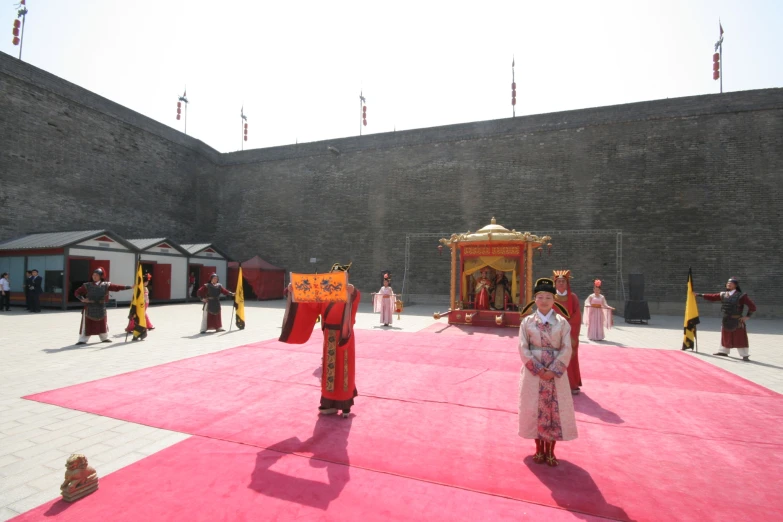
690,182
71,160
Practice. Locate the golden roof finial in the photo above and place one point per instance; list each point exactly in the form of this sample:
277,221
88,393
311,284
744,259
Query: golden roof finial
493,222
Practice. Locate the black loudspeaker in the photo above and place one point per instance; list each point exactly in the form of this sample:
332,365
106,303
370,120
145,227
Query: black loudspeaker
636,287
636,309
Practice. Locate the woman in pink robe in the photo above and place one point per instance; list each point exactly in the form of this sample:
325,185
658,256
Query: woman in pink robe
384,302
597,314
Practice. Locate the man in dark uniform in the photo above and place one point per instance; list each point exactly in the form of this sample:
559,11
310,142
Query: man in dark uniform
27,284
35,291
732,332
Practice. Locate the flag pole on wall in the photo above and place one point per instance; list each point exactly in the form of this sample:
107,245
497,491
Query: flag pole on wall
244,126
18,29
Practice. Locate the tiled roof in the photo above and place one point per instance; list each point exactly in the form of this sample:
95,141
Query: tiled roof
50,239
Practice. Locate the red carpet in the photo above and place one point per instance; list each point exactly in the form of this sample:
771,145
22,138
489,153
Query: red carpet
210,480
663,436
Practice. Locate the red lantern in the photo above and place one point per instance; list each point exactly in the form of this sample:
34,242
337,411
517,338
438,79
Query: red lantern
246,126
716,57
17,23
16,40
715,75
177,116
179,111
365,122
179,104
513,101
16,31
245,137
513,86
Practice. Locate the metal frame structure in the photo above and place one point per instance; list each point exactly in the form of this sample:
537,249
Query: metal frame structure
408,237
619,285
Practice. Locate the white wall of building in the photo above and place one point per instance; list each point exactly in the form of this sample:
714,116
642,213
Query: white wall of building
122,268
179,272
220,264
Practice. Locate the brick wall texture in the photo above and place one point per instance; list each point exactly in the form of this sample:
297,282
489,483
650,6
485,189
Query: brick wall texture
651,188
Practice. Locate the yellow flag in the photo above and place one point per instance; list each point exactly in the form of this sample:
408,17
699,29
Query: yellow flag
691,316
138,308
239,301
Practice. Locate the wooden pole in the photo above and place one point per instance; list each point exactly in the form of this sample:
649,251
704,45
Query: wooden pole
453,275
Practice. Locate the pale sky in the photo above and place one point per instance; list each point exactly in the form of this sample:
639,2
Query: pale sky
298,66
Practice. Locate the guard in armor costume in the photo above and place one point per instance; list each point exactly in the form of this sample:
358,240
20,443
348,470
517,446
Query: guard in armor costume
338,377
211,318
546,407
733,333
95,294
570,302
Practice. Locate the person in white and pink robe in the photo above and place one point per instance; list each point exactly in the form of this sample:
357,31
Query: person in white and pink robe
546,408
597,314
384,302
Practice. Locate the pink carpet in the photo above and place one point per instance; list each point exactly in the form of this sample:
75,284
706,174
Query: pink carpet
203,479
663,435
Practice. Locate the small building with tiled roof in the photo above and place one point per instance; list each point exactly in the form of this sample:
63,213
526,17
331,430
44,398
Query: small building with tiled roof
167,262
205,259
66,260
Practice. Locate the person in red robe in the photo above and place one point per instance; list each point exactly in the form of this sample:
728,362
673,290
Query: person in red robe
338,376
570,302
131,322
210,294
95,294
483,286
733,333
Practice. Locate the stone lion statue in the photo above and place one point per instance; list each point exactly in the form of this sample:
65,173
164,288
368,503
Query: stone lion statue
77,474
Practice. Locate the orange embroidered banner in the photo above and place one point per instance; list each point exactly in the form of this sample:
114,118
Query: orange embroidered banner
320,288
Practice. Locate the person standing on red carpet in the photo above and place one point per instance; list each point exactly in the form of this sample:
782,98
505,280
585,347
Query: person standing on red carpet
546,408
95,294
338,377
131,322
211,318
598,313
733,333
570,301
384,301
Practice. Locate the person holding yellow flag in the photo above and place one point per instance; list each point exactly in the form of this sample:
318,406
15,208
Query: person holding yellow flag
209,294
138,308
733,333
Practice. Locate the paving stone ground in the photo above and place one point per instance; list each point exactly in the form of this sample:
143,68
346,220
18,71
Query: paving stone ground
37,353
